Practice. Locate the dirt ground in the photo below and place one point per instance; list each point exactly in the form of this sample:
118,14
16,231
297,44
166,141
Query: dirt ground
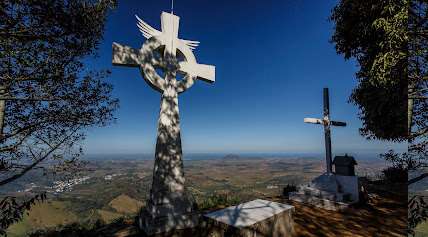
381,217
384,215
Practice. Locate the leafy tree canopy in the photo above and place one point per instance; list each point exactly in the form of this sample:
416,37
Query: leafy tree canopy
375,33
47,97
389,39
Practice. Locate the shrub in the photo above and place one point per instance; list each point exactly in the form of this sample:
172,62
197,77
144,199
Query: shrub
218,200
395,174
288,189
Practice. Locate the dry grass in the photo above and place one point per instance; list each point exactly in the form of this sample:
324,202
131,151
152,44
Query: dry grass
108,216
125,204
43,215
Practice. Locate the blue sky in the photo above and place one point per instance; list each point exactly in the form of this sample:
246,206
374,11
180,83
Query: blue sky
272,60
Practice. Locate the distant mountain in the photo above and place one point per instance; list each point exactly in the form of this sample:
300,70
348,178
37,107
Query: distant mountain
231,157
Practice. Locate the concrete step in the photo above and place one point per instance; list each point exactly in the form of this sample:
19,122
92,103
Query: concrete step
318,193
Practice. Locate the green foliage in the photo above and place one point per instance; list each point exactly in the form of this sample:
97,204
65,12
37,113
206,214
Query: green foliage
82,229
375,33
13,211
74,229
383,109
389,39
418,81
218,200
395,174
417,212
42,47
288,189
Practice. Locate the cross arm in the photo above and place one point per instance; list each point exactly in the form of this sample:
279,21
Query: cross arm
320,121
312,120
202,71
125,56
338,124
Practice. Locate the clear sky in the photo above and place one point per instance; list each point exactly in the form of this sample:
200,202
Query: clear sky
272,60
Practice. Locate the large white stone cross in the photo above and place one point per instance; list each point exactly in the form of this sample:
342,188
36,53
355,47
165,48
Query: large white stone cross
327,123
168,205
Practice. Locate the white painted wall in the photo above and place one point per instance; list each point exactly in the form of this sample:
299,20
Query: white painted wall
349,185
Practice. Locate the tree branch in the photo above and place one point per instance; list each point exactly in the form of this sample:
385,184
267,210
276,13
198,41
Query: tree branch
421,132
416,179
29,99
418,97
23,129
28,168
14,146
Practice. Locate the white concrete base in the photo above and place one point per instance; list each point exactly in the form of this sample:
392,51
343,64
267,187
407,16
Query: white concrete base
350,185
329,191
256,218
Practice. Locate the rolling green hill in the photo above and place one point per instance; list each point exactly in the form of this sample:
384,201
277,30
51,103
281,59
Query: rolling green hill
422,230
43,215
126,205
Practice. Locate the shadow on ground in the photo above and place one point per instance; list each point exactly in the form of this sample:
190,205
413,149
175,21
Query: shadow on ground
384,215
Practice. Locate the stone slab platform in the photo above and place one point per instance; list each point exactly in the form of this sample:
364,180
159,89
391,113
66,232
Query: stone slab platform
260,218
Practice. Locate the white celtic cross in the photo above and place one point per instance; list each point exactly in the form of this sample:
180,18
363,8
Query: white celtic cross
167,41
164,50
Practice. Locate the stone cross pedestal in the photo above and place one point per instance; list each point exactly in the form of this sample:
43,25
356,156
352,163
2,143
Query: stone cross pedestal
167,207
327,123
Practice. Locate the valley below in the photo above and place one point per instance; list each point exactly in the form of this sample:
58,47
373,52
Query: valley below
111,188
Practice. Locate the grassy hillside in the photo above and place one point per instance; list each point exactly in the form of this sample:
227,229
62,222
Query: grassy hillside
108,216
422,230
56,213
125,204
43,215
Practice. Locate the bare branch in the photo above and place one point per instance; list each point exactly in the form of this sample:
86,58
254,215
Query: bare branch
14,146
418,97
419,133
20,130
28,168
416,179
29,99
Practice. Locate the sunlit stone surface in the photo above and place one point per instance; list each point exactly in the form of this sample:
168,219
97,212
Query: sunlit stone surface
167,207
256,218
